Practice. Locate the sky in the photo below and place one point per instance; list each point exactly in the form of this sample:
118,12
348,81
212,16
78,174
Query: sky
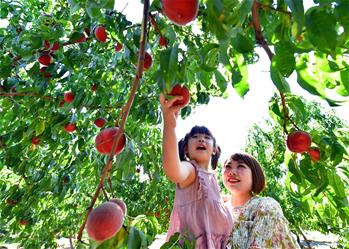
230,119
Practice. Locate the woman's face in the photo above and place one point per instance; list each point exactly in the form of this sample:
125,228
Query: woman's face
200,147
237,177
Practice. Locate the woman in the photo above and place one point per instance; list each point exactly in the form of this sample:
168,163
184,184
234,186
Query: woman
258,222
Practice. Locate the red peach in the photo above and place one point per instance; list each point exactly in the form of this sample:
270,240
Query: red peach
183,91
298,141
148,61
104,141
104,221
100,122
118,47
46,44
314,153
45,58
180,12
35,140
121,204
55,46
68,97
101,34
81,39
70,127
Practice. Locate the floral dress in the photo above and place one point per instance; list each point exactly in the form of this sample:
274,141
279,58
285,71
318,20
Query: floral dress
200,214
260,224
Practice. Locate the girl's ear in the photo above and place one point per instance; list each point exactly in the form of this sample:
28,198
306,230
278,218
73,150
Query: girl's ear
186,151
215,150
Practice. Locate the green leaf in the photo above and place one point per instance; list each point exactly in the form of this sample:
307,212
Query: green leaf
322,186
345,81
243,9
294,169
168,66
321,25
39,127
278,80
136,239
337,184
241,42
93,10
297,105
239,75
110,4
5,66
215,11
341,11
297,10
74,5
221,81
284,59
308,82
209,57
115,242
205,79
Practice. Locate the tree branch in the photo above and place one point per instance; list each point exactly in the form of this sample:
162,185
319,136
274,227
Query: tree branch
305,238
110,186
283,102
155,25
26,94
261,41
125,112
268,7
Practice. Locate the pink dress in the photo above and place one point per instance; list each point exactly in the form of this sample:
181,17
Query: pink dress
199,212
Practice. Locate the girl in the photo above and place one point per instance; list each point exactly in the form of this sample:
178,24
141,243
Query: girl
198,213
258,221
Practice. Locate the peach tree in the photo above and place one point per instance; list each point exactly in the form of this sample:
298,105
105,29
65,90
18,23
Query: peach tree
312,192
66,64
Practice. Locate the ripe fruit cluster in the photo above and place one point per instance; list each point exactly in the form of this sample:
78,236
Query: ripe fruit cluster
106,220
300,142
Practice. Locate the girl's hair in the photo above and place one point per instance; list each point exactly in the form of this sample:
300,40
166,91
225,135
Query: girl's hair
258,178
183,144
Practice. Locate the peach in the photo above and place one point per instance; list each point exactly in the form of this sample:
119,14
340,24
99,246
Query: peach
121,204
298,141
180,12
104,141
101,34
104,221
183,91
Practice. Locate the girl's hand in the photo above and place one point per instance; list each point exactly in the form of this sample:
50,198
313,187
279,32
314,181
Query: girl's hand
169,111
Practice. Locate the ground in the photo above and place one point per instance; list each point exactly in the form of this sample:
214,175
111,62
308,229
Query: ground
318,241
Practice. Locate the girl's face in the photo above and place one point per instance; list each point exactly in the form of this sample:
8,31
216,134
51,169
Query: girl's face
237,177
200,147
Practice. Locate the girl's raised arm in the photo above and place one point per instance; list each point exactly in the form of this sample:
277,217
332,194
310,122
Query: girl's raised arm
176,172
